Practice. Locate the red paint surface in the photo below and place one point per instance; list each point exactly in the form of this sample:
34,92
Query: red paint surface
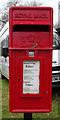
30,28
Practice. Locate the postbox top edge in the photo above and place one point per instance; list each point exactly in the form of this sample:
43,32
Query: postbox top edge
29,8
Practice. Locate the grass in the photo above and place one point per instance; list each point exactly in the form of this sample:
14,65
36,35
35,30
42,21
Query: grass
5,102
5,105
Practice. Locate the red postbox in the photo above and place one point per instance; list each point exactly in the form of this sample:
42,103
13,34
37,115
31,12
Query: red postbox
30,59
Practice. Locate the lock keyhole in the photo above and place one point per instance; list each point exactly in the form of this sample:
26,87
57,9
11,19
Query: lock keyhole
19,79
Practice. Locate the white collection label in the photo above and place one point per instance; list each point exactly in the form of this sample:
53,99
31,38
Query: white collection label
31,70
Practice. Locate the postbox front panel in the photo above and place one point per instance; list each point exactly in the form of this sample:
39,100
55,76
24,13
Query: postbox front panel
31,36
30,59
